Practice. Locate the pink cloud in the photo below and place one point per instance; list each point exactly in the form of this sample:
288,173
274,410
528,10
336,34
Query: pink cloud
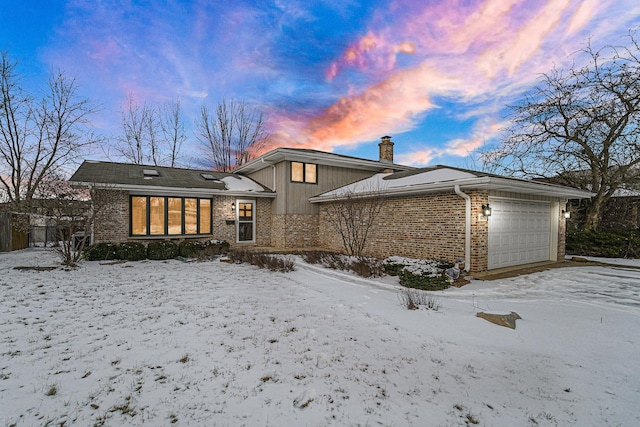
471,53
581,17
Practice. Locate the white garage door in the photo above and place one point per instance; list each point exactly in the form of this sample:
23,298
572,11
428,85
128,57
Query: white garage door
519,232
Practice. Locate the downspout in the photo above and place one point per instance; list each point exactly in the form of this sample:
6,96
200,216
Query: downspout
467,228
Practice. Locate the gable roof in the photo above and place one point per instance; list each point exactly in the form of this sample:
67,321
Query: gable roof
145,178
445,178
318,157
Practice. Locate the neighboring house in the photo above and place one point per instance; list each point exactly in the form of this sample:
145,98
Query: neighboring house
280,200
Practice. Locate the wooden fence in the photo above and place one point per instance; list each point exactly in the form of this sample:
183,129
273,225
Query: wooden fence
12,237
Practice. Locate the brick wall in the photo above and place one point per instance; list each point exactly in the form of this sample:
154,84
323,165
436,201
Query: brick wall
479,232
111,216
423,226
111,222
294,231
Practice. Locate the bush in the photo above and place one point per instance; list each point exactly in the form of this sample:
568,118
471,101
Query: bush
131,251
190,248
162,250
367,267
101,252
262,260
428,275
422,281
605,243
214,248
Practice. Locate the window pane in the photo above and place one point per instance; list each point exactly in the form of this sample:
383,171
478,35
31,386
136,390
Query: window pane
297,172
245,211
190,216
310,173
175,215
245,231
138,216
156,215
205,216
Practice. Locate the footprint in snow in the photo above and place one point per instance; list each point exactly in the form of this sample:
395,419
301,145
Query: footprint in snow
304,399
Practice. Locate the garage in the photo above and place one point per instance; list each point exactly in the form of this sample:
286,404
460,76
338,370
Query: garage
519,232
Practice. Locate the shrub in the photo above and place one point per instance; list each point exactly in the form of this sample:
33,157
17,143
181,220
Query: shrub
327,259
162,250
423,281
422,274
190,248
604,243
412,299
214,248
131,251
367,267
262,260
101,252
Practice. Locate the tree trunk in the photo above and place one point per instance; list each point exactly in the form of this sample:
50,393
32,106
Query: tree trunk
594,214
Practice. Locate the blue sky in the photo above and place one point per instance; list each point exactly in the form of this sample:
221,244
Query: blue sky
331,75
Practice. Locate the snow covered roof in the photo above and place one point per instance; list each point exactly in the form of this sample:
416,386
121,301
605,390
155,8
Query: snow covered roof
445,178
145,178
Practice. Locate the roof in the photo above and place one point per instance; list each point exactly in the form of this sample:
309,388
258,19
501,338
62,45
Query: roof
318,157
445,178
146,178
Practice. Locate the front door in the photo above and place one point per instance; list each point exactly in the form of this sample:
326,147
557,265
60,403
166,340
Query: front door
246,221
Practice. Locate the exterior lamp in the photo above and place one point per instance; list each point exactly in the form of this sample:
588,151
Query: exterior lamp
233,207
566,214
486,210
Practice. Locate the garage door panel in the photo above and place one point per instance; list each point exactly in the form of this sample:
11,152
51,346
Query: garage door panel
519,232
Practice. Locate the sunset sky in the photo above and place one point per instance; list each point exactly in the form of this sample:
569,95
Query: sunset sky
331,75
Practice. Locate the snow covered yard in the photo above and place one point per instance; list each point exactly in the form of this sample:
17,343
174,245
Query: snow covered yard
161,343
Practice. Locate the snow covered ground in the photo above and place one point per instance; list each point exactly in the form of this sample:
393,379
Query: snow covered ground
214,344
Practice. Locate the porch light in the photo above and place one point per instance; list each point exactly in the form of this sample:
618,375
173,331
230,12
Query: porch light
486,210
233,207
566,214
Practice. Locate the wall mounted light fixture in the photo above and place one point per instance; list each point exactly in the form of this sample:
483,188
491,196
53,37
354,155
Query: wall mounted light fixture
566,214
486,210
233,207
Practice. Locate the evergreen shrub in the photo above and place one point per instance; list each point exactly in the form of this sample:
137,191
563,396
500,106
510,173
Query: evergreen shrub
101,252
132,251
162,250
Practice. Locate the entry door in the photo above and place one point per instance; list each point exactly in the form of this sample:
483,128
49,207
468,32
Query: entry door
519,232
246,221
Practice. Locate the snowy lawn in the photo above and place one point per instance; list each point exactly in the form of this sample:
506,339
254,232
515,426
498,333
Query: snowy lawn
161,343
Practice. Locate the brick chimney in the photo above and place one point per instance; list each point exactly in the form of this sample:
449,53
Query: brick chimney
386,152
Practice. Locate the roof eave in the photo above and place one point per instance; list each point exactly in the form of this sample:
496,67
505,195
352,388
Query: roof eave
489,183
281,154
170,191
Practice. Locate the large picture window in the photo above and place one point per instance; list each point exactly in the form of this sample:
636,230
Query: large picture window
170,216
304,172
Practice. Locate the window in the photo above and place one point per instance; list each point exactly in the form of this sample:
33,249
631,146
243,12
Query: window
167,216
304,172
246,221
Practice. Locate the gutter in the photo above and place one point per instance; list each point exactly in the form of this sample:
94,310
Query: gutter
170,191
467,227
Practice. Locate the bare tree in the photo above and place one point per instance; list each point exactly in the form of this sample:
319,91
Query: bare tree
580,127
38,136
172,126
352,216
230,133
151,135
70,210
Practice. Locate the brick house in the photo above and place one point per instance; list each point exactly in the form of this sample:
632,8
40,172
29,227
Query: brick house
282,200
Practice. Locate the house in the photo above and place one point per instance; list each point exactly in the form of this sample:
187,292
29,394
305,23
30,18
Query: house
283,200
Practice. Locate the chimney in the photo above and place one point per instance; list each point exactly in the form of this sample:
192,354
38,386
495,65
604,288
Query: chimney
386,152
386,149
